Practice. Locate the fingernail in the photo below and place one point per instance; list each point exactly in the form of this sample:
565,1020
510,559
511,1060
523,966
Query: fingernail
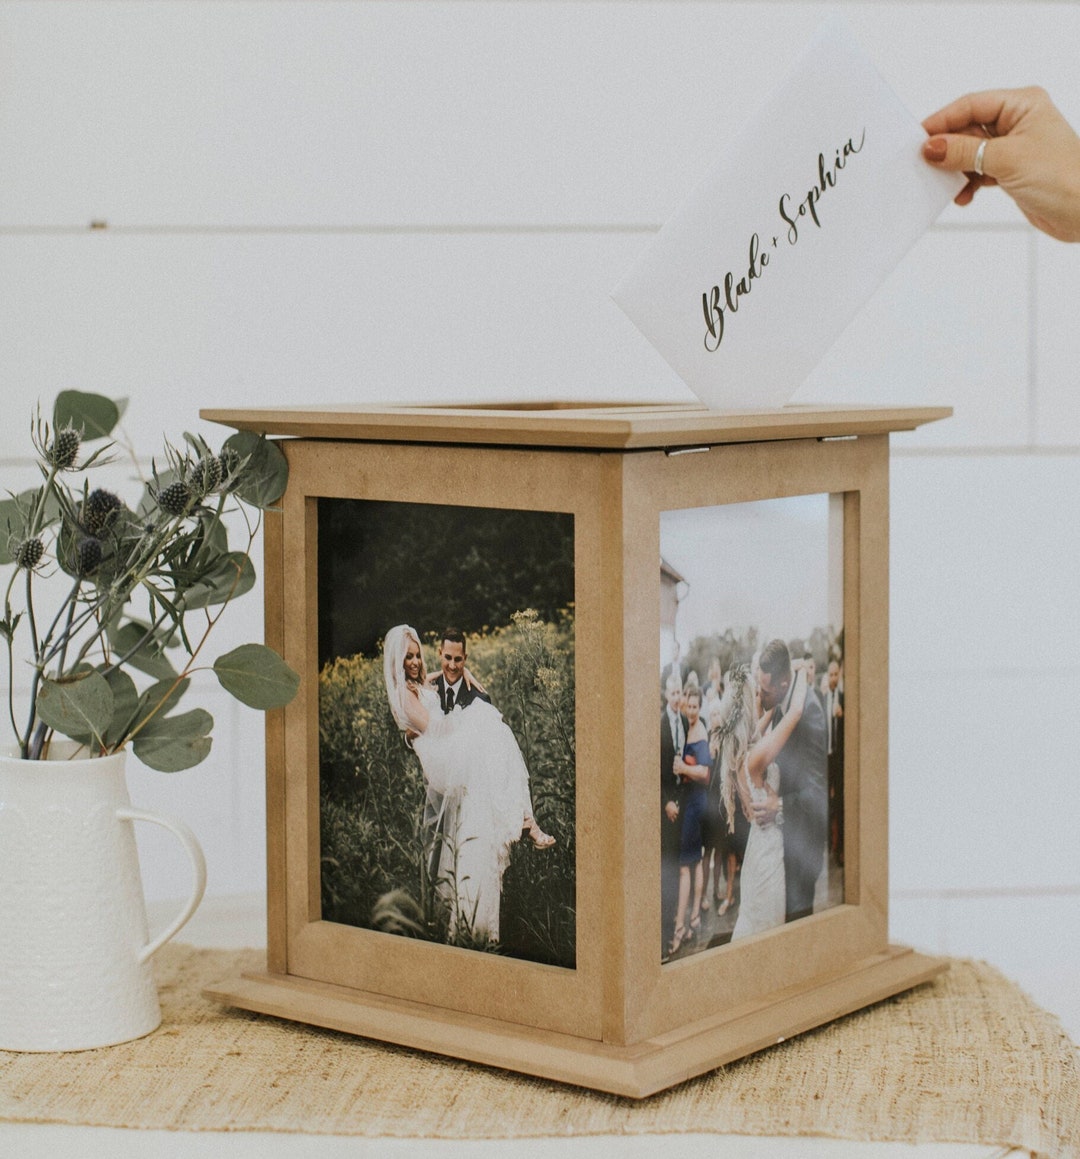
935,149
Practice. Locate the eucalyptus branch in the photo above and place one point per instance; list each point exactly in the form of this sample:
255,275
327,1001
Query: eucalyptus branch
31,619
189,666
11,690
36,743
9,640
174,546
37,515
50,650
7,594
143,640
65,638
95,638
119,593
42,729
181,676
39,667
24,741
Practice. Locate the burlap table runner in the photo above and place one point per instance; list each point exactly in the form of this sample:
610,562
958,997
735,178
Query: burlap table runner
967,1058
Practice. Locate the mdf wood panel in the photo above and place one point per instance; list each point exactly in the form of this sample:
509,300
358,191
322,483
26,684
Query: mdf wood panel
573,425
659,996
545,997
621,1019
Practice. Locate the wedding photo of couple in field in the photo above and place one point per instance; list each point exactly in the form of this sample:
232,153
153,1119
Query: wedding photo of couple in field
751,719
446,725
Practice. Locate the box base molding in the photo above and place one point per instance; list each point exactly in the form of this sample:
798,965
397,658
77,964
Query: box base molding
632,1071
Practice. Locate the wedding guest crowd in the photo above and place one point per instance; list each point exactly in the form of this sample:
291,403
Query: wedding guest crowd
704,830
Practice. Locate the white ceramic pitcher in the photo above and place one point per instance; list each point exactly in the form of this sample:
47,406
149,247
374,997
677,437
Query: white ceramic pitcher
75,968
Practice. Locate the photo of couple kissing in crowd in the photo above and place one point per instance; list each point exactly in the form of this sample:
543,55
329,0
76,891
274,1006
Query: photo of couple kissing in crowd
751,724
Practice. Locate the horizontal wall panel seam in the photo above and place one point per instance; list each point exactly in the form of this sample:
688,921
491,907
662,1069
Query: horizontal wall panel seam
379,229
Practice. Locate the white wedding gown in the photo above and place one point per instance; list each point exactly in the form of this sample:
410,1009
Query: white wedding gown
471,759
761,892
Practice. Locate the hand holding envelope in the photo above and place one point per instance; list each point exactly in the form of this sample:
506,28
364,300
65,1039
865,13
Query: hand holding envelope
776,250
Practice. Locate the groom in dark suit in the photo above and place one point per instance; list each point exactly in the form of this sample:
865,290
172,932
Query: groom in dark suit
454,688
802,806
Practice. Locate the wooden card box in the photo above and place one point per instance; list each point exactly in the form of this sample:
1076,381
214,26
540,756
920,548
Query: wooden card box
618,1017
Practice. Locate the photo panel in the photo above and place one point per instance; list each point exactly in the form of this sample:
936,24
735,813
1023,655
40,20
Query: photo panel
447,747
751,718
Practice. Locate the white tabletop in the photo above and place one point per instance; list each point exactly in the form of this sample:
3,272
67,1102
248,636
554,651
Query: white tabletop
47,1141
236,922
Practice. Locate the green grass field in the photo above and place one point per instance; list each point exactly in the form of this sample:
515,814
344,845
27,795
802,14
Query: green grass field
374,860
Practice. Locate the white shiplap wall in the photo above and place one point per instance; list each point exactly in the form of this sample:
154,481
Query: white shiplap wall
412,200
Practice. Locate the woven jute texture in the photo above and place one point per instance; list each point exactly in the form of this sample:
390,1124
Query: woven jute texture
967,1058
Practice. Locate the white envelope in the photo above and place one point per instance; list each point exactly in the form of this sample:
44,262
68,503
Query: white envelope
776,250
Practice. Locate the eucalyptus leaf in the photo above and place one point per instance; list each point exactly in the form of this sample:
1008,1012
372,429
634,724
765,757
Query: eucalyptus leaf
12,528
125,705
215,536
159,700
66,548
94,414
148,657
257,676
262,479
80,706
172,754
231,575
198,722
14,515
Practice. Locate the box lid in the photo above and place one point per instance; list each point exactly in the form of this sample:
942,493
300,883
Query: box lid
591,426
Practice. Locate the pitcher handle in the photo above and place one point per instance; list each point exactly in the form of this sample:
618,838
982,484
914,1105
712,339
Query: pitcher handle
198,862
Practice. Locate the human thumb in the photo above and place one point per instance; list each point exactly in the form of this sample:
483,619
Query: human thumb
959,153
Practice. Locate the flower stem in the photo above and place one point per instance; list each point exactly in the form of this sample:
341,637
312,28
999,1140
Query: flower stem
30,745
11,698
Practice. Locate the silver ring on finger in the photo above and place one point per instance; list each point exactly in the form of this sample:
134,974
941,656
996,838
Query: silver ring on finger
979,158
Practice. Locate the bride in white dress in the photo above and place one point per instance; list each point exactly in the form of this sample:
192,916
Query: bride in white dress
475,771
748,749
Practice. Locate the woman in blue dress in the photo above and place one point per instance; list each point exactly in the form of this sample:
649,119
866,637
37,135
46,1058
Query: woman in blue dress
693,768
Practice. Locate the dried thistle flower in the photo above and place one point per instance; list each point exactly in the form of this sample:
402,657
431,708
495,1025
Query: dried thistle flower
205,476
28,553
176,498
64,449
99,510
